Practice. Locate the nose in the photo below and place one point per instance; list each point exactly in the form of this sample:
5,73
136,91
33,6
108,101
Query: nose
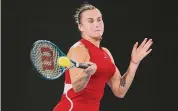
96,24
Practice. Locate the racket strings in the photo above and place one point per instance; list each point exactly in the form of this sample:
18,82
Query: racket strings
46,57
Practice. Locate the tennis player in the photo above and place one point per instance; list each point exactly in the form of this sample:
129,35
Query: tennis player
84,88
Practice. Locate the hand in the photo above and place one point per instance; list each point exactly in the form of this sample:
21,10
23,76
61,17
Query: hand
91,69
138,53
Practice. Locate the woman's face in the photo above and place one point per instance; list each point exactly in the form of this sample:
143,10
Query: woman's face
91,24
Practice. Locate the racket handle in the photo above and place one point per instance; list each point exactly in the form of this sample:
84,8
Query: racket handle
82,65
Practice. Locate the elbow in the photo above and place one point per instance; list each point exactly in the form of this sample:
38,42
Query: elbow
120,95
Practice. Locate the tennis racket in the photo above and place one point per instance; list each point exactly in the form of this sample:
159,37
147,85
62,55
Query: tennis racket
49,61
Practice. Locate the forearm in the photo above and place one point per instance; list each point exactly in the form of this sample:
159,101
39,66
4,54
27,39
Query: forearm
127,78
81,81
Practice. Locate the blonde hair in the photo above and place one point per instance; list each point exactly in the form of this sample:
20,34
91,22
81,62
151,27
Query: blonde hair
80,10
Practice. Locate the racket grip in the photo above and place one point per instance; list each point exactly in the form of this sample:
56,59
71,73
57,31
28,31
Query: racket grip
82,65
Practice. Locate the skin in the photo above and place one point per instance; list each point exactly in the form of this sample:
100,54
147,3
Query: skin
92,28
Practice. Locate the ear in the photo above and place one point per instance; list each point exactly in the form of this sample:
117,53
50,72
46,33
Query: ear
80,27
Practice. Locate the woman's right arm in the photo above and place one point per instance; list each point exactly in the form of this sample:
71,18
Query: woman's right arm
80,77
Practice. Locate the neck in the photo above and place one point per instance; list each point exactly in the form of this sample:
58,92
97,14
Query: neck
94,41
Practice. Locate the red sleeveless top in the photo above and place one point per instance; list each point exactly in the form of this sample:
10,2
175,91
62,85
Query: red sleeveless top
89,98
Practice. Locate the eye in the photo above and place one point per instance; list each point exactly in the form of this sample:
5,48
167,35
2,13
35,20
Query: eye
90,21
99,20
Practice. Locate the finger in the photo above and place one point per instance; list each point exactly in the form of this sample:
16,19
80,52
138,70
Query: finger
143,43
92,66
88,69
135,46
148,52
95,66
92,69
88,62
148,44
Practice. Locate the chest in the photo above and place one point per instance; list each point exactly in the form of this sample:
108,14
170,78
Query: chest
105,67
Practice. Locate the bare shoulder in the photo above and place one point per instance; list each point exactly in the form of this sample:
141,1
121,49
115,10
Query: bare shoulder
78,52
77,47
108,52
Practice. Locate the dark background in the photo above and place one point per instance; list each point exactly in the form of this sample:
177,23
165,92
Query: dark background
126,21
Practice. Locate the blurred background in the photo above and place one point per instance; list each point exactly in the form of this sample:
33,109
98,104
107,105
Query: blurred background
126,21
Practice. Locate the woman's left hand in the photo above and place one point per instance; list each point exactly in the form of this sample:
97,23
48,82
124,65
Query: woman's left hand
139,52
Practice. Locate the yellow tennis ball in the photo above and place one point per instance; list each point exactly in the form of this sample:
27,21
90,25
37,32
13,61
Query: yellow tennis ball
63,61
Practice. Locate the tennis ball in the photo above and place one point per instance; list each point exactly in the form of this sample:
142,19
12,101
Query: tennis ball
63,61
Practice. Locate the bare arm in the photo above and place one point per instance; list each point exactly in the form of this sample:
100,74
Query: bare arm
120,85
80,77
